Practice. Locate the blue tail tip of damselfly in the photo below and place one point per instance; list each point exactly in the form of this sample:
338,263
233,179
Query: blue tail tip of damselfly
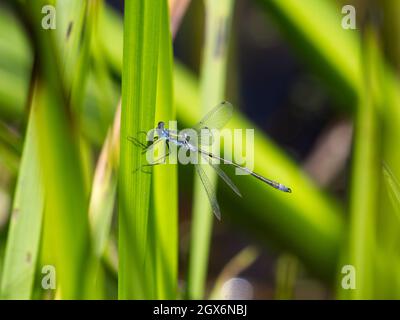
284,188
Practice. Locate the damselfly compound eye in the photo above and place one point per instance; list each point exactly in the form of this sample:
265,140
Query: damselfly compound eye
160,125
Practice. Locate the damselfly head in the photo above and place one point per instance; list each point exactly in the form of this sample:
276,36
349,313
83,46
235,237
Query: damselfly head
161,125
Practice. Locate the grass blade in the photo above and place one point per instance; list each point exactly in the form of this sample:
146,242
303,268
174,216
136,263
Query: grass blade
393,187
364,184
15,65
218,22
66,231
285,277
104,188
165,204
139,84
26,222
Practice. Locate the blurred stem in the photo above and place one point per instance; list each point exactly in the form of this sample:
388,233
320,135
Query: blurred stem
307,24
286,274
104,187
213,73
101,71
9,158
65,220
393,189
364,184
10,147
391,26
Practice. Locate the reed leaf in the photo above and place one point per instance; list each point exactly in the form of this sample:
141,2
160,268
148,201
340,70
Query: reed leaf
142,28
364,184
66,232
26,222
164,221
213,73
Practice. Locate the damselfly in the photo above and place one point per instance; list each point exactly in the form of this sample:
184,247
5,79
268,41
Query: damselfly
215,119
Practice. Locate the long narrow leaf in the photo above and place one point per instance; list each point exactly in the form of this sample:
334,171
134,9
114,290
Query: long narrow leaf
164,227
139,84
66,223
26,222
218,22
364,185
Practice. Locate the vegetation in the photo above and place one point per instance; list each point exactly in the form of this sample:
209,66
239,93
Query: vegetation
73,98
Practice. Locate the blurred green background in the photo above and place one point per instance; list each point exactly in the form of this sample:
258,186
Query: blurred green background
323,100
